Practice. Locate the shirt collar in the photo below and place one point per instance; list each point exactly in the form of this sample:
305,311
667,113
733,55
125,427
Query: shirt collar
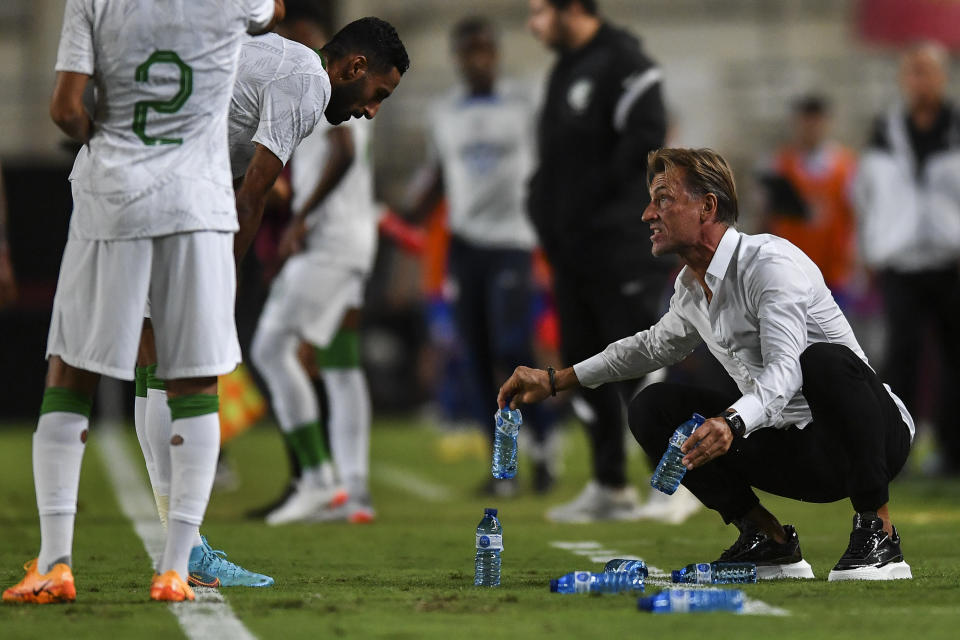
724,253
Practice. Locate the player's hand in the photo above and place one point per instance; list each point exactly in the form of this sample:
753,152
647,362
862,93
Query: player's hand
710,440
291,242
8,283
525,386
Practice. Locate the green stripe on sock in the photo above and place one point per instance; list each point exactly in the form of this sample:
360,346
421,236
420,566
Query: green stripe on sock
153,382
65,400
343,352
198,404
306,442
140,380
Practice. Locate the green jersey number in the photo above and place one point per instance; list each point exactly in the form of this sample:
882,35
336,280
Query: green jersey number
165,106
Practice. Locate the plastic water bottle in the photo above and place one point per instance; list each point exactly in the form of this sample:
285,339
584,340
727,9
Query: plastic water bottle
508,423
587,582
625,565
486,571
670,471
692,601
716,573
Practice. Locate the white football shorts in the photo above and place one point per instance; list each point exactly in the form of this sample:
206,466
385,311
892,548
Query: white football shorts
310,297
103,288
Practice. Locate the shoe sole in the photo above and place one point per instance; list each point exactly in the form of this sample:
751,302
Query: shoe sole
168,594
801,570
44,597
892,571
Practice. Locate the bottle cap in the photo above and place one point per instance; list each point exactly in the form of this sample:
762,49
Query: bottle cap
490,512
645,604
554,586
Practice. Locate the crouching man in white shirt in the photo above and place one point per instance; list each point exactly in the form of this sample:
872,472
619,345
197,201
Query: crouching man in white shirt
813,423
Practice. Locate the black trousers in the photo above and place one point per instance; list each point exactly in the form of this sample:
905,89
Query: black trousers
915,303
593,312
856,444
494,314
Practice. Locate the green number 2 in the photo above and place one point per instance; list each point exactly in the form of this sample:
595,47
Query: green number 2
169,106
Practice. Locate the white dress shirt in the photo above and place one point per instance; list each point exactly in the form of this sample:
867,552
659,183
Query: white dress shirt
769,303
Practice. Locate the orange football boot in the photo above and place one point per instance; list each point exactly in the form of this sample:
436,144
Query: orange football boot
48,588
170,587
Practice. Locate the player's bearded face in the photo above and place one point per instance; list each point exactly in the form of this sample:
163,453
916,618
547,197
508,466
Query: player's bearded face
361,95
346,101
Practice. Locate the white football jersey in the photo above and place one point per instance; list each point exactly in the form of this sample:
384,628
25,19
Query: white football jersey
157,161
343,228
280,95
485,146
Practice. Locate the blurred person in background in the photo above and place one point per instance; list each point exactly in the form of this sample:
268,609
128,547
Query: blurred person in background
8,283
907,194
480,156
603,112
806,187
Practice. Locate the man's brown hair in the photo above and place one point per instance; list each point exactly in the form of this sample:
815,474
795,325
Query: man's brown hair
704,171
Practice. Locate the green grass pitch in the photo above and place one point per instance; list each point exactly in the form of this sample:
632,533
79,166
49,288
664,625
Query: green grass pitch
410,574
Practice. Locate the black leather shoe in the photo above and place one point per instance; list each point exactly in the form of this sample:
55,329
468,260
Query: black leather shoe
773,559
872,554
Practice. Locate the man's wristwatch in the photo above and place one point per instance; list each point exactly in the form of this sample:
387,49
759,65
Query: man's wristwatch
735,422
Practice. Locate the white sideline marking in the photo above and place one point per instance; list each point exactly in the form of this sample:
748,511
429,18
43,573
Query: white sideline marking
656,576
411,483
209,616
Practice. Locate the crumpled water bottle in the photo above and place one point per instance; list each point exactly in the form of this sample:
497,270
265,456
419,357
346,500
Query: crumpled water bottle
670,471
508,423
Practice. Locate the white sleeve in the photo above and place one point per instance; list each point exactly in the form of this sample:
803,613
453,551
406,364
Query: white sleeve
290,108
670,340
76,52
779,290
259,14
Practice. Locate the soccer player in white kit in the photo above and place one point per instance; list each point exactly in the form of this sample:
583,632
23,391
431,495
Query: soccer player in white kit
153,215
317,298
281,91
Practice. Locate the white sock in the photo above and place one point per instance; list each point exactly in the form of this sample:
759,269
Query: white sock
140,423
292,395
193,464
349,425
58,445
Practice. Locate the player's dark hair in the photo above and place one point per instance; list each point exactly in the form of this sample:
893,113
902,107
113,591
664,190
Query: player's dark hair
589,6
317,11
812,104
470,27
705,171
374,38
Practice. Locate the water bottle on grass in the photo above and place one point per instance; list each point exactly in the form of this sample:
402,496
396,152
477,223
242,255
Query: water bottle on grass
508,423
670,471
489,545
625,565
587,582
716,573
692,601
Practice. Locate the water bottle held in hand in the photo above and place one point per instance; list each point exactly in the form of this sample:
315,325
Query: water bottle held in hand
508,423
587,582
716,573
670,471
692,601
625,565
486,572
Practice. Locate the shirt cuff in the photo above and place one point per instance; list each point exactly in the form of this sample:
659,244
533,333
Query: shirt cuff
751,410
591,373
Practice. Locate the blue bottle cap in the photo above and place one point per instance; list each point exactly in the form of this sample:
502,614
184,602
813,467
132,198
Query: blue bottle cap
490,512
645,604
554,586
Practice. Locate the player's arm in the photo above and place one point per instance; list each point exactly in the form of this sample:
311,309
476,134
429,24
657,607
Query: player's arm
66,105
251,196
342,153
279,13
424,193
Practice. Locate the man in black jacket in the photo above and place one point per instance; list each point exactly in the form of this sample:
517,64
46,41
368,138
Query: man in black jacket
602,114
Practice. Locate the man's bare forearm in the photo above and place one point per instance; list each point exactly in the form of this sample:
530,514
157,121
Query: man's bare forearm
341,158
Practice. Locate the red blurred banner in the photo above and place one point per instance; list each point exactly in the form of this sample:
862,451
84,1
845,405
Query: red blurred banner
904,21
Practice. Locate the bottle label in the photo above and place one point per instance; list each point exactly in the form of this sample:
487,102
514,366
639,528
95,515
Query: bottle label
703,574
680,600
581,581
677,439
489,542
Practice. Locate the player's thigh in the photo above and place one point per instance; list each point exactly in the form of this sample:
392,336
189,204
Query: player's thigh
98,307
192,296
